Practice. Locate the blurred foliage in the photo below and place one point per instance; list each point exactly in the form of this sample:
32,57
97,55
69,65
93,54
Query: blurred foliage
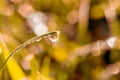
88,47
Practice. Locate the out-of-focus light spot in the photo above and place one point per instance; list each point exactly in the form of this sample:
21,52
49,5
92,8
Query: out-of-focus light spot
29,57
37,22
110,13
16,1
84,10
40,29
26,62
35,49
39,17
72,17
35,19
7,10
0,50
113,69
115,3
25,9
111,42
26,65
110,70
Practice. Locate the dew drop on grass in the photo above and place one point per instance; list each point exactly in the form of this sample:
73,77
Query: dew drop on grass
54,37
38,40
16,51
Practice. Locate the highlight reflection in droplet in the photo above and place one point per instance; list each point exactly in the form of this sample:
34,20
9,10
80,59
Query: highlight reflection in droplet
54,37
111,42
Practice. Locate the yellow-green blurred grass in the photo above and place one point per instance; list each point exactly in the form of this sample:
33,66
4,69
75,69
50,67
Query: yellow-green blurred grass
14,69
35,74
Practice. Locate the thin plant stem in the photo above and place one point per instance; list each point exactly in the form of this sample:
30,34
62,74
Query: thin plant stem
35,39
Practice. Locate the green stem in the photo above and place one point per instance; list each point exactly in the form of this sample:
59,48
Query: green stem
25,44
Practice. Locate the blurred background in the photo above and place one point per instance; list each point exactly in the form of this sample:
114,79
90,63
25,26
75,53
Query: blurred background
88,47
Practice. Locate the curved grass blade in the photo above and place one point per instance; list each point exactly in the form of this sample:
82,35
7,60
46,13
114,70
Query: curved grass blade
35,39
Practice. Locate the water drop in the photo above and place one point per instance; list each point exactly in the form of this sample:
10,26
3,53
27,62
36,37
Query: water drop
16,51
54,37
38,40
